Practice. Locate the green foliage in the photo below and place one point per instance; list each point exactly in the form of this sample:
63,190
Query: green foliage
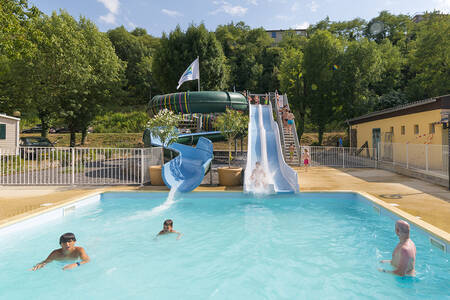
429,58
292,83
164,126
232,123
179,49
320,55
252,62
136,48
121,122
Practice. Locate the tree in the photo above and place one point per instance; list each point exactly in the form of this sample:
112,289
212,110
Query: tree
55,70
164,126
104,74
429,58
15,18
232,123
320,56
248,55
388,26
136,48
179,49
292,83
356,69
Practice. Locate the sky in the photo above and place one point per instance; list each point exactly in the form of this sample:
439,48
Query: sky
158,16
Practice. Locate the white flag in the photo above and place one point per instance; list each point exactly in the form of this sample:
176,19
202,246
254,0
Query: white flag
191,73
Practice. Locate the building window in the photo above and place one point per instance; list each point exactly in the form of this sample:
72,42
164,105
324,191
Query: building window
432,129
416,129
2,131
392,130
403,130
274,34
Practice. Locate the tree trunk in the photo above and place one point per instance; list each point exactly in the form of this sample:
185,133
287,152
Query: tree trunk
72,138
229,153
83,135
321,130
43,117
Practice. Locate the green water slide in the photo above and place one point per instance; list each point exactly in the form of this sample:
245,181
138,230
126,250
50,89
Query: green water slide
198,102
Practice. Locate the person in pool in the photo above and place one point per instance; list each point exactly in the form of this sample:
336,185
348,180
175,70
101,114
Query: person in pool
68,251
404,255
258,176
168,228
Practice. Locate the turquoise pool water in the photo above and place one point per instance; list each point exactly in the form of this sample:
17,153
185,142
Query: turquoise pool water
305,246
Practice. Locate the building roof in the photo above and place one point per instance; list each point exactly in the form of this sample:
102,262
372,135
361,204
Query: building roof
441,102
8,117
281,30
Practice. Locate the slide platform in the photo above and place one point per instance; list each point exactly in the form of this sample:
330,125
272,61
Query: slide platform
264,146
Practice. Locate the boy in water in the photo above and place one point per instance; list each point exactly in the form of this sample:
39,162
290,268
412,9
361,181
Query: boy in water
168,228
68,251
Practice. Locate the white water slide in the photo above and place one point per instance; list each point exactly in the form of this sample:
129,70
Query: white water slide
264,146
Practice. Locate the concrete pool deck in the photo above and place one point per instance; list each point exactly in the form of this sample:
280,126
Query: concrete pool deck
428,202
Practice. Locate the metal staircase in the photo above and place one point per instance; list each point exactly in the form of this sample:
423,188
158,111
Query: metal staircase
287,138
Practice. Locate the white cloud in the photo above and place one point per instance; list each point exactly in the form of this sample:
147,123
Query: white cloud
313,6
229,9
283,17
303,25
295,6
254,2
443,5
171,13
109,18
111,5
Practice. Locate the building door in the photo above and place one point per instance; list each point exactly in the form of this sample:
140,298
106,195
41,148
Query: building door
376,136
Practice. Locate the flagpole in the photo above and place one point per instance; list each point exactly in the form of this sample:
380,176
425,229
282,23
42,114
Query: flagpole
198,73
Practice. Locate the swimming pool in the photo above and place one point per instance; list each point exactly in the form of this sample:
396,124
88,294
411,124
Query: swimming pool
234,246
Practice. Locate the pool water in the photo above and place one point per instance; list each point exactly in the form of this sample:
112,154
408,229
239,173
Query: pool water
234,246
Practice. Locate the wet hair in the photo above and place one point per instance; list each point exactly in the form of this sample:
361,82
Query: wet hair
168,222
67,237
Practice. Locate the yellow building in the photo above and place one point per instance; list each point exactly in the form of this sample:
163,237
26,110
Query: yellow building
407,133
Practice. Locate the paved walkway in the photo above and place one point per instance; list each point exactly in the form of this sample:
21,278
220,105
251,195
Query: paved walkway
429,202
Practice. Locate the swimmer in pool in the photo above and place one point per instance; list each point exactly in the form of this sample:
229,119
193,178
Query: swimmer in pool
168,228
68,251
404,255
258,177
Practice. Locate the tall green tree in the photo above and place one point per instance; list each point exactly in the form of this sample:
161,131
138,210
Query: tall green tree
249,56
179,49
56,70
104,74
429,58
15,18
356,69
136,48
292,83
320,55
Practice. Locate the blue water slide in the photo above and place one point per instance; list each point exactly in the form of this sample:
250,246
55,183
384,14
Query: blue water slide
186,171
264,146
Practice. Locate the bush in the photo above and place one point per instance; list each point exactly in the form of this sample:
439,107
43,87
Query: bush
121,122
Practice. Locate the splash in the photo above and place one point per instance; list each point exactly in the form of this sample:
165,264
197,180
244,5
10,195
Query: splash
160,208
169,201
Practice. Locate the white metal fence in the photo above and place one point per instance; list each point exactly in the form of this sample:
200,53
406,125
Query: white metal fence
77,166
431,159
339,157
106,166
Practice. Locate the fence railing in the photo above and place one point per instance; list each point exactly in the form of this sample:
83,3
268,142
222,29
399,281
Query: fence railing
125,166
77,166
339,157
431,159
